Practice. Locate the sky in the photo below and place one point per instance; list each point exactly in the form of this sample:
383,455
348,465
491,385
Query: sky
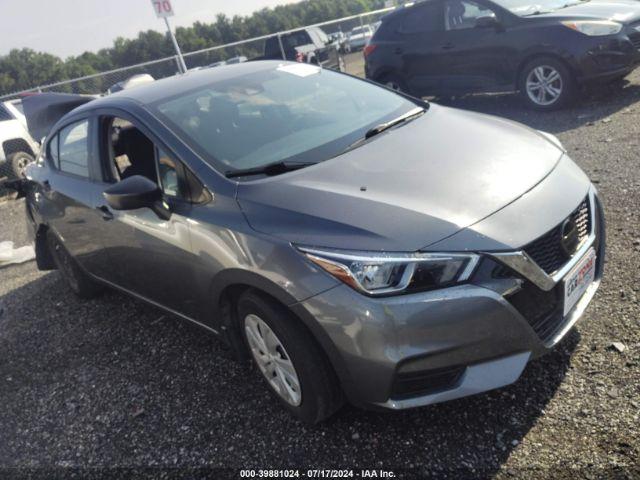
71,27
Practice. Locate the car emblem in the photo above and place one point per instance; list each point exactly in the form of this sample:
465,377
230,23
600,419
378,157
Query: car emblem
570,238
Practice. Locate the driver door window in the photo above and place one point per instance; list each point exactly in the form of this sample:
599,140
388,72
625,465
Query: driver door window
132,153
462,15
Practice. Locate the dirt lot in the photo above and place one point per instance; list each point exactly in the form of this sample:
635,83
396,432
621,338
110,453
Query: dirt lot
88,385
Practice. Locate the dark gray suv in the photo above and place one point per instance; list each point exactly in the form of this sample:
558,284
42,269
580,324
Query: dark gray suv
354,242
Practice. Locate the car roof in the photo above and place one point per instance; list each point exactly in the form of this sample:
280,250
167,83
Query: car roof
179,84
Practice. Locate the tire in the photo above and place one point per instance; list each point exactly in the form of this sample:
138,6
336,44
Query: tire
77,279
316,395
396,83
546,84
19,162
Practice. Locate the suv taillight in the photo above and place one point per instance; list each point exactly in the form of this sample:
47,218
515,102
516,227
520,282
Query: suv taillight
368,50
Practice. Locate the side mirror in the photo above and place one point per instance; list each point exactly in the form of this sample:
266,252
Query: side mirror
489,21
137,192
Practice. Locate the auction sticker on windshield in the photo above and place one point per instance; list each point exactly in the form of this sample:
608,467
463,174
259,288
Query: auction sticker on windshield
300,69
578,280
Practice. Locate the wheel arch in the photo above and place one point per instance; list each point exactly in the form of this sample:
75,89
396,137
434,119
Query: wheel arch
227,288
541,54
44,259
15,145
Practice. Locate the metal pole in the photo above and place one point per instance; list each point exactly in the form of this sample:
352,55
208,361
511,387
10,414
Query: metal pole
362,24
182,66
284,57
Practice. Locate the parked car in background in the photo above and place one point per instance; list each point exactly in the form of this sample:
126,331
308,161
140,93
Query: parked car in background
234,60
132,82
545,49
229,61
308,45
17,147
358,38
259,201
339,40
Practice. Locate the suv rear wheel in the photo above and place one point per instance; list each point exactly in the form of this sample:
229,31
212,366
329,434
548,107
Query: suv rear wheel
295,369
19,162
546,84
394,82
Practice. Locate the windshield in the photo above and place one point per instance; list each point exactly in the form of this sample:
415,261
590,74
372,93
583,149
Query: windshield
291,113
533,7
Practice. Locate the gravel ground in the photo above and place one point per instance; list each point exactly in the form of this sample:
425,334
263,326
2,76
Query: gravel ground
87,386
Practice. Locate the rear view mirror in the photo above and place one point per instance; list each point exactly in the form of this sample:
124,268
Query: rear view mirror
489,21
137,192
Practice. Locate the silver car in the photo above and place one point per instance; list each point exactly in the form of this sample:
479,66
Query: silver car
353,242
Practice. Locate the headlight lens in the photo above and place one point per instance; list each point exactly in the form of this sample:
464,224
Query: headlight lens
383,274
594,28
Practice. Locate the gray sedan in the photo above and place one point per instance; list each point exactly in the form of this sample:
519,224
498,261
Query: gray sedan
352,242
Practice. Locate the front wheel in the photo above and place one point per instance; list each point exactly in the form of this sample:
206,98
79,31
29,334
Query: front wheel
546,84
296,371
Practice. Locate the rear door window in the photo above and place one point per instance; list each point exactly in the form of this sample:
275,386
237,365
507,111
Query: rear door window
422,19
4,114
462,15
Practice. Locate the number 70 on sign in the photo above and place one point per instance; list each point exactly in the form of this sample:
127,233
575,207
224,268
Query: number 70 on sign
163,8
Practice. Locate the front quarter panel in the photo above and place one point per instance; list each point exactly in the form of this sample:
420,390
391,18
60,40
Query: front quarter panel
231,253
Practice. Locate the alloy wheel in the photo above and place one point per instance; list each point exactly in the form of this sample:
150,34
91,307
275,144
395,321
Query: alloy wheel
20,163
273,360
393,85
544,85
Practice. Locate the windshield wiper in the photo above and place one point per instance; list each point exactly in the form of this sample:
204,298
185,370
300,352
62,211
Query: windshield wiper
271,169
372,132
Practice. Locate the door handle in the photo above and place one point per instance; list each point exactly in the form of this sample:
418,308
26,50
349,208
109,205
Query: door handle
106,213
448,46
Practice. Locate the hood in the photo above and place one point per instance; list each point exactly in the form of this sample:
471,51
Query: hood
407,188
623,11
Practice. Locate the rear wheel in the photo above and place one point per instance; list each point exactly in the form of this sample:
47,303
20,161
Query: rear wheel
395,82
546,84
19,162
79,281
295,369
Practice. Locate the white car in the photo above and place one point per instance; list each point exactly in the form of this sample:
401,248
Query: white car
359,37
17,147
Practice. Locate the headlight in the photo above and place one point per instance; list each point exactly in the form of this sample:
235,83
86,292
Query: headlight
383,274
594,28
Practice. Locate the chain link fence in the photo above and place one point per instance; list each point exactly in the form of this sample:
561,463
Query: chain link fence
362,26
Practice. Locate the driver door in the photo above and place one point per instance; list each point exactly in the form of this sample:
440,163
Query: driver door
150,257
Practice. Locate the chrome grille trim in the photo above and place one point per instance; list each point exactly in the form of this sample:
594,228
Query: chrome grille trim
522,263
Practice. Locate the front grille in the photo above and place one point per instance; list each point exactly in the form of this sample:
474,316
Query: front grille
543,310
547,251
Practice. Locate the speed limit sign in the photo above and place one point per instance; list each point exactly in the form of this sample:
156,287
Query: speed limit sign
162,8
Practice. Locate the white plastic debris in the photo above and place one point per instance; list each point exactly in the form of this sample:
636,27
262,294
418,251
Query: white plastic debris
10,255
